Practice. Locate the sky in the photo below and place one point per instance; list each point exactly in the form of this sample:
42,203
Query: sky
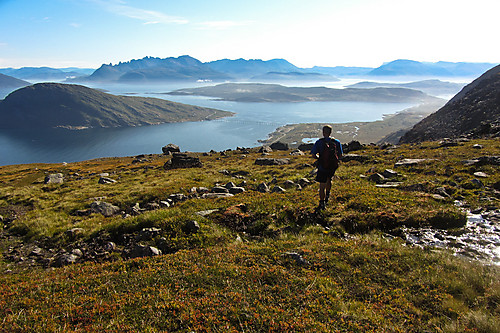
307,33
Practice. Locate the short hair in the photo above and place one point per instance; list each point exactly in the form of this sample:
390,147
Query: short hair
327,128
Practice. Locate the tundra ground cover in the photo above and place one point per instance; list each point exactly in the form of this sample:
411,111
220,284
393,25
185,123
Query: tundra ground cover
240,271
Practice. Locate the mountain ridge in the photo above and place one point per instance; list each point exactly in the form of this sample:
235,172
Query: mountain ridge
474,111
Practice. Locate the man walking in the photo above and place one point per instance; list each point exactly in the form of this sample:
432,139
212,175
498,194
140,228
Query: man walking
328,151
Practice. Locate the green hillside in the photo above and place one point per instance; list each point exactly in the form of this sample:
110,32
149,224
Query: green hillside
136,244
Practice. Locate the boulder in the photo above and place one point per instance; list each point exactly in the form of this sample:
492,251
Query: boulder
279,146
355,157
263,188
106,180
170,149
140,251
66,259
55,178
272,161
409,162
104,208
191,226
236,190
181,160
306,146
278,189
352,146
265,149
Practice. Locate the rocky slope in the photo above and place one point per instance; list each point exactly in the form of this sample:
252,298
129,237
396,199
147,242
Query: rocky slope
75,107
475,112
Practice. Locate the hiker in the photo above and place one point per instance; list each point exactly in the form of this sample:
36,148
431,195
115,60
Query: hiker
328,151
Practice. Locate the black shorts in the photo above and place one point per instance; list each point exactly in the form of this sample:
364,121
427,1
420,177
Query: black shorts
323,175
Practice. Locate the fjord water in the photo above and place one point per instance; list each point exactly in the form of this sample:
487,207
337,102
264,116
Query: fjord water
251,122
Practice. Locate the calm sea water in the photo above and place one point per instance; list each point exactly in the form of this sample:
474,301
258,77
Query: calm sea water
252,122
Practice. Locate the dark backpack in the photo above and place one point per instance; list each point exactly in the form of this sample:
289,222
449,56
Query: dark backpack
329,158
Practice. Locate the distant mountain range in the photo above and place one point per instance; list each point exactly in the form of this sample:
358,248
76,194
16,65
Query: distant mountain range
474,111
259,92
403,67
49,105
186,68
46,73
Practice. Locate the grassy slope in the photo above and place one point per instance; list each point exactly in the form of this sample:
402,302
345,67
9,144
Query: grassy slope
217,282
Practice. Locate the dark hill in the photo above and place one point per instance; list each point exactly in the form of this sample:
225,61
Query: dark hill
7,81
75,106
475,111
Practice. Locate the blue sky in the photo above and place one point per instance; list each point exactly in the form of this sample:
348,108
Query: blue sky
88,33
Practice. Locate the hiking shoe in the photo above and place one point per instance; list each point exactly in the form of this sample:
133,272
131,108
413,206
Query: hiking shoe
321,205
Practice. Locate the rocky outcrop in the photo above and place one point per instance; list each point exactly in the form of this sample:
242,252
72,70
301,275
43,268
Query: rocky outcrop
182,160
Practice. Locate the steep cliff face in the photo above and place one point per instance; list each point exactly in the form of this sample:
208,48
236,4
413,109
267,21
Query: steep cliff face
474,112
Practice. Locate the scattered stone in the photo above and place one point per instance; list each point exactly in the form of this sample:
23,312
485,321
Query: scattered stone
182,160
306,146
106,180
272,161
236,190
442,192
219,189
148,233
352,146
409,162
152,206
104,208
388,173
303,182
263,188
170,148
438,197
229,185
65,259
191,227
298,258
355,157
389,185
216,195
290,184
55,178
37,252
377,178
204,213
140,251
480,175
109,246
164,204
278,189
177,197
77,252
477,146
72,233
265,150
279,146
297,152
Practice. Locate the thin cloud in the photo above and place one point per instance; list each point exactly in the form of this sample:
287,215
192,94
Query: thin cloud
147,16
75,25
222,25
